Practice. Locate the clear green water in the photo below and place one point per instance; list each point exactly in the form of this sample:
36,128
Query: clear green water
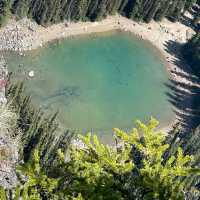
97,82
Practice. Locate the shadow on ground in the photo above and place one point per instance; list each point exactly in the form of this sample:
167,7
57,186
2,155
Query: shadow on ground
184,97
187,21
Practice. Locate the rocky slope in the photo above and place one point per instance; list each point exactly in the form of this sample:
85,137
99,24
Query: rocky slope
8,145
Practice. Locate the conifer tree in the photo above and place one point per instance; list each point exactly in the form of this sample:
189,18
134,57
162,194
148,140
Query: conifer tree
152,11
47,11
158,179
136,12
21,8
97,171
37,185
82,9
3,194
4,11
37,130
163,10
191,51
135,169
189,4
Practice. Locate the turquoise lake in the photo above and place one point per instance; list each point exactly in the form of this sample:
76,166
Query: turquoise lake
97,82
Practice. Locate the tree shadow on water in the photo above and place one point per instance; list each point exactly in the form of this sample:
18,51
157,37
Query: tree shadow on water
184,89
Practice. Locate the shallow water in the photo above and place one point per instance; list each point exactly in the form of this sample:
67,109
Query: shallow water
97,82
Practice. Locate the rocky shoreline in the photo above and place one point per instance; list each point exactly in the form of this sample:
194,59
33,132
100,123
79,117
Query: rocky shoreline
8,147
18,36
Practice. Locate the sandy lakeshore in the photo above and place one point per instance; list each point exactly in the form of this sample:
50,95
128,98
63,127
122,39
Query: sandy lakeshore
25,35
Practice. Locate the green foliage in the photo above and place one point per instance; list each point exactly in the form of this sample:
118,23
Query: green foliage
22,9
158,179
38,131
98,171
190,3
163,10
82,9
4,11
136,13
47,11
133,169
191,51
190,145
2,194
38,185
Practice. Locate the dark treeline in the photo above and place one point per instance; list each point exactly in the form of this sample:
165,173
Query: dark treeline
37,130
48,11
4,11
53,11
191,52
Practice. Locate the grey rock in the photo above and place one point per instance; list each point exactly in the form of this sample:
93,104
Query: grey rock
8,160
8,147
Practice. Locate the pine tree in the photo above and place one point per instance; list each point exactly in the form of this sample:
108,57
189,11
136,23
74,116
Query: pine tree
158,179
135,168
136,12
191,51
21,8
37,185
46,12
96,171
4,11
122,6
179,9
37,130
82,9
189,4
3,194
153,9
163,10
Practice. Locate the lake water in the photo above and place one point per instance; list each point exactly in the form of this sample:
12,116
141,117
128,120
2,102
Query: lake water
97,82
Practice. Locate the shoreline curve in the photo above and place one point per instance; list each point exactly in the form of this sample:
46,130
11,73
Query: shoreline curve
24,35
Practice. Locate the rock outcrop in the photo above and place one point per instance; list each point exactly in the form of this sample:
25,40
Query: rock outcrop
3,77
18,36
8,145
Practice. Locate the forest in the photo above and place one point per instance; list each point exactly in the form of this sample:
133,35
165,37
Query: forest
47,11
143,165
191,52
